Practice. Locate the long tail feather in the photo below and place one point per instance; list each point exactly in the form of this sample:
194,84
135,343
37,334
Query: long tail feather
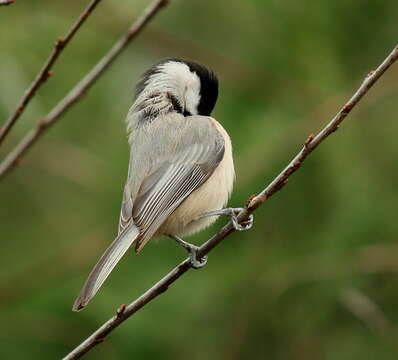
105,265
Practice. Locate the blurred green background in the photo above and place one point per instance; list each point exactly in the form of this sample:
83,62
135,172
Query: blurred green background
316,278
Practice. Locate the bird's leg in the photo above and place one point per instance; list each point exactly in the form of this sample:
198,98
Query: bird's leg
193,252
233,214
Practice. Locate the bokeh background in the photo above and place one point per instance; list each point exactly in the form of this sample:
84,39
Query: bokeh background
316,278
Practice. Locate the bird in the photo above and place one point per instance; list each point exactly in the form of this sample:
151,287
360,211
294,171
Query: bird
181,169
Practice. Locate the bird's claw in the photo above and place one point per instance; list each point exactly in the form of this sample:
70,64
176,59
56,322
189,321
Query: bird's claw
233,214
196,263
245,225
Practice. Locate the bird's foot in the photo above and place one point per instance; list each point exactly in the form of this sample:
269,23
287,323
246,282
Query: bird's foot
196,263
233,214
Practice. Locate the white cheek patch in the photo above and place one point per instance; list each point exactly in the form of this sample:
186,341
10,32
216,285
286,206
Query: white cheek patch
192,94
178,78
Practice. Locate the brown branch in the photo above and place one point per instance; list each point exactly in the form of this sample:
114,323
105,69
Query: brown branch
14,157
312,141
124,312
46,72
6,2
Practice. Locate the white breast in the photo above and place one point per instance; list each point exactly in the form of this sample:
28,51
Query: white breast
212,195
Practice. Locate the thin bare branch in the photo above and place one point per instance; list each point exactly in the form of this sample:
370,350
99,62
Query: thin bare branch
124,312
14,157
6,2
46,72
312,141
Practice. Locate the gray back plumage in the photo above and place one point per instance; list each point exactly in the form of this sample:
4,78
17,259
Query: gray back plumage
164,171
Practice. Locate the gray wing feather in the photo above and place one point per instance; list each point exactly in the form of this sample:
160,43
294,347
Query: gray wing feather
105,265
126,209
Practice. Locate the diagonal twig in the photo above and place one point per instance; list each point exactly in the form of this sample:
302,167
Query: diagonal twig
45,72
124,312
312,141
14,157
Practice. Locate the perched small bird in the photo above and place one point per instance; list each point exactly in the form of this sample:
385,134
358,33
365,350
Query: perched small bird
181,169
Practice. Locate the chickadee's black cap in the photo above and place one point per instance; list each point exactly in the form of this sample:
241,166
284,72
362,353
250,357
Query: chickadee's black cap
208,87
208,83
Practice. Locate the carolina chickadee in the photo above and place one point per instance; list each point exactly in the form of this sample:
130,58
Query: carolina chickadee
181,170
